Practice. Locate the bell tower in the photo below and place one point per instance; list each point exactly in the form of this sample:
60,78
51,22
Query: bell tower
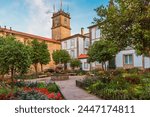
61,25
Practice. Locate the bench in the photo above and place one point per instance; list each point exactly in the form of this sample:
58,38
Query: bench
42,76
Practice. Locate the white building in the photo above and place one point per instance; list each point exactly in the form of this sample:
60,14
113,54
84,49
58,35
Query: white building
77,46
124,59
95,35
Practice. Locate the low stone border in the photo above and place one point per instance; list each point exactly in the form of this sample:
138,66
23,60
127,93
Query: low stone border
80,84
59,78
42,76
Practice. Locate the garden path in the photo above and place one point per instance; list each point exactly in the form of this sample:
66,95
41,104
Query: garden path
71,92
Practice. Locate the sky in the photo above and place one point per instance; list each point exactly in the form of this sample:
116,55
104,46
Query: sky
34,16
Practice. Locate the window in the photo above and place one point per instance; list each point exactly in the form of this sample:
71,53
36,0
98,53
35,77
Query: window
86,43
72,53
128,59
65,21
72,43
97,32
65,45
85,65
25,41
57,21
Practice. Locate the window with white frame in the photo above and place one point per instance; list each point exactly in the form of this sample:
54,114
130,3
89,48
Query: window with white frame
86,43
97,31
65,45
72,52
93,33
128,59
85,65
72,42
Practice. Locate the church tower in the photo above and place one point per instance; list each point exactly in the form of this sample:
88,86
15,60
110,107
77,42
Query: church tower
61,25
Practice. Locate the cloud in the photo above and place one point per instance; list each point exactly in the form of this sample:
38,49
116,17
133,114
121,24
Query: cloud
39,22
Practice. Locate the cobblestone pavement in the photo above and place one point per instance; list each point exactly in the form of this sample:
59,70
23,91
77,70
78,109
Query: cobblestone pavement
71,92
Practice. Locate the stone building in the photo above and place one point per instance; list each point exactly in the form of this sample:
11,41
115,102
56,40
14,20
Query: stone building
61,25
27,38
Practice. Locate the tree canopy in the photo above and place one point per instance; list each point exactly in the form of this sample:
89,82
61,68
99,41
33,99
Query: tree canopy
14,56
40,54
75,63
35,53
44,54
61,56
127,23
102,51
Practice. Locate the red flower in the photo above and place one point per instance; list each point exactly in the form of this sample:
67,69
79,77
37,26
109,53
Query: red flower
45,91
59,94
51,96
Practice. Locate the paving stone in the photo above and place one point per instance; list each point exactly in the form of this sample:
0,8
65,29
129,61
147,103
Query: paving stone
69,89
71,92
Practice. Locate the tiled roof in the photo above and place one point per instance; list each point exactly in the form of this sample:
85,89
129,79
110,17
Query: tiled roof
82,56
28,35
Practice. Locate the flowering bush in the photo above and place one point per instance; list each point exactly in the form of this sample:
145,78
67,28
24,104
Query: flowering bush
32,91
119,85
44,91
9,96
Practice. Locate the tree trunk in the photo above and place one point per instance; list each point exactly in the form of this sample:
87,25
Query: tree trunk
143,62
41,67
3,77
103,66
35,66
12,77
65,66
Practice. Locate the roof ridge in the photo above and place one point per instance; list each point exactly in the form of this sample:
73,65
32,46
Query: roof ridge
29,35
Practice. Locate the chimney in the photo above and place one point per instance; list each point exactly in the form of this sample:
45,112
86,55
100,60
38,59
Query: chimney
10,28
82,31
5,27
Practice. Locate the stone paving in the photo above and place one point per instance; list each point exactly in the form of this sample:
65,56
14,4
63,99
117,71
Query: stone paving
69,89
71,92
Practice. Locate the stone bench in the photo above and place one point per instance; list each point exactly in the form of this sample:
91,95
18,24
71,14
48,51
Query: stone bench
42,76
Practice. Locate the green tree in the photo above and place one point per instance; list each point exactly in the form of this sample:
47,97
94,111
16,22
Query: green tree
75,63
14,57
61,57
127,23
35,54
44,57
102,51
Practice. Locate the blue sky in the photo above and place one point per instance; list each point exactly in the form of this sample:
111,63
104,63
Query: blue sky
31,15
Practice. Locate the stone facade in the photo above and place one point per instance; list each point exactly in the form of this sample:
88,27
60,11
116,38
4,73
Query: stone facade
61,25
27,38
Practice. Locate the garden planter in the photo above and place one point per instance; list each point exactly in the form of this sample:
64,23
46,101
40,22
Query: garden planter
59,78
80,84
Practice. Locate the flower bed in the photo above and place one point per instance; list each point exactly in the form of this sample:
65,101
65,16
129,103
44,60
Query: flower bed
118,85
32,91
